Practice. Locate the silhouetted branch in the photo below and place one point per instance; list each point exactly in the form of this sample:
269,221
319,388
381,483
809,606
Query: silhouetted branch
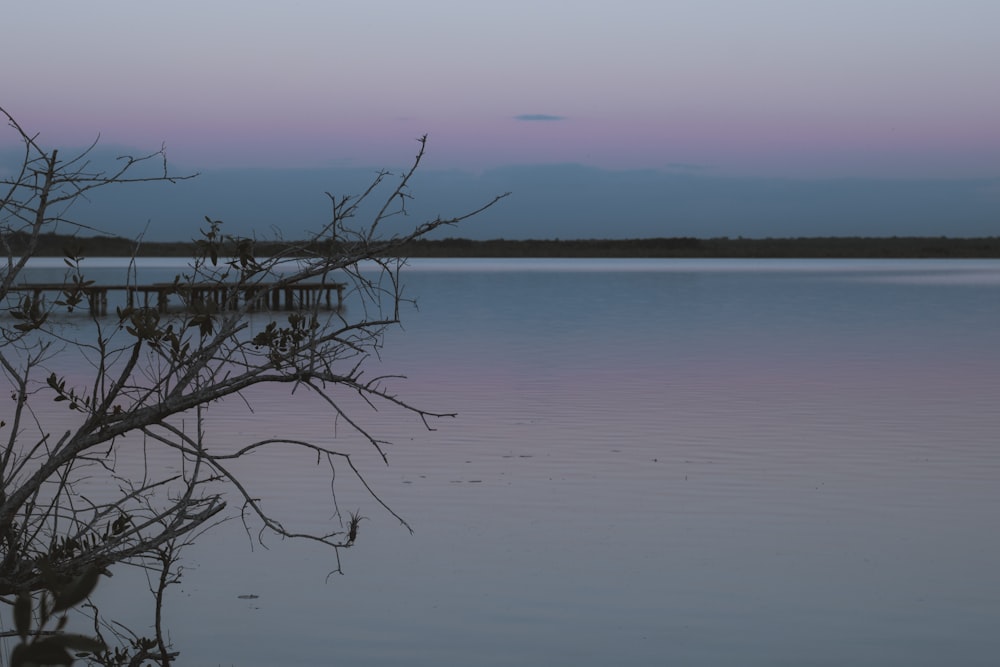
67,502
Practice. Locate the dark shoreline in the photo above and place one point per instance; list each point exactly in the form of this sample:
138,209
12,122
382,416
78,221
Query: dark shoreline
51,245
685,247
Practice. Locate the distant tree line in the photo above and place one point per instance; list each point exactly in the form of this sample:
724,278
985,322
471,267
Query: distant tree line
679,247
721,247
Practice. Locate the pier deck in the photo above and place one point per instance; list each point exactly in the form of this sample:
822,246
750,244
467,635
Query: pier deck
259,296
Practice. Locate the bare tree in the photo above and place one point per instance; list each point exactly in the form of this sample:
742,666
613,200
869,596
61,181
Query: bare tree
156,372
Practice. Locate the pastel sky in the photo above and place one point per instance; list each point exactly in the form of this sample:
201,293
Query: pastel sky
801,89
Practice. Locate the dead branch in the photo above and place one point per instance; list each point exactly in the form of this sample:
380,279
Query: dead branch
154,376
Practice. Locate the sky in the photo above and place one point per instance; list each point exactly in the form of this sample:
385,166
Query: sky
605,119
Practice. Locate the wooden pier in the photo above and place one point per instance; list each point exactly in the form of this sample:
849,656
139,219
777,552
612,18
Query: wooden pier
221,296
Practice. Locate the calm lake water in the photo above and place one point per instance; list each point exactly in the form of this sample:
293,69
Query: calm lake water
654,462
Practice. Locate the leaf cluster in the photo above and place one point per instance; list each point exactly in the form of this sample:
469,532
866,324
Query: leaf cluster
67,547
42,645
75,401
282,342
30,312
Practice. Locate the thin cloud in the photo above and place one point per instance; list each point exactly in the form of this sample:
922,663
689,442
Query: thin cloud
538,116
689,166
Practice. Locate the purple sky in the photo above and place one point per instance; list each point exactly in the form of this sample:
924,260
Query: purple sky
885,89
793,87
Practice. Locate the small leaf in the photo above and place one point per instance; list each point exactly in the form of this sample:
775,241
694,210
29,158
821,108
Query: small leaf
77,590
49,576
43,652
22,615
18,657
79,643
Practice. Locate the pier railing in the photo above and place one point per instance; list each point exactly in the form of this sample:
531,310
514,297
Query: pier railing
223,296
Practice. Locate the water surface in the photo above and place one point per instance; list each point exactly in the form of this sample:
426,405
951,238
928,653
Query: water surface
695,462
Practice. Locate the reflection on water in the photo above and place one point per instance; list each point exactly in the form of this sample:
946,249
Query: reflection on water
654,462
